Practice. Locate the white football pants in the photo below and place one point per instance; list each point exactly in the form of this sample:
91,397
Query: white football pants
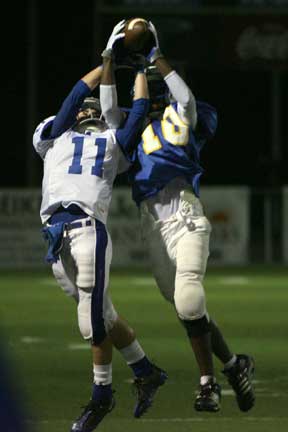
178,249
83,273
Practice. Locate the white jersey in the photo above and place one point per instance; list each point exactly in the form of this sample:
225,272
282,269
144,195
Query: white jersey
78,169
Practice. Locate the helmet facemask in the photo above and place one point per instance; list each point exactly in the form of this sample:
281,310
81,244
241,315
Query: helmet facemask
91,118
158,92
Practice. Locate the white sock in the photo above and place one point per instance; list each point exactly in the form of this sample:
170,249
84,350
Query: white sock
230,363
102,374
133,352
204,379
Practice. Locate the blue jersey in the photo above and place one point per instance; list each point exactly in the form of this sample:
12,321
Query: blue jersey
169,148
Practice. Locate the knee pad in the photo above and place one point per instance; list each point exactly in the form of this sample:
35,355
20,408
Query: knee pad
84,314
189,297
197,327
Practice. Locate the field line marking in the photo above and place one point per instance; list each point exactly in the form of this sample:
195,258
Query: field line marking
79,346
234,280
178,420
202,419
31,339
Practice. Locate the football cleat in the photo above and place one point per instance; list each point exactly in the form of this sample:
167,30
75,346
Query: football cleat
240,378
92,415
208,398
146,388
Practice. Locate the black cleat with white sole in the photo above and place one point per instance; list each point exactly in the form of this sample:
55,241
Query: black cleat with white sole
208,398
240,377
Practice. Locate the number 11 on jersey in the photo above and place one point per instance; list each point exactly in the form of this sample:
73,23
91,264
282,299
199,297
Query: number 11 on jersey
76,167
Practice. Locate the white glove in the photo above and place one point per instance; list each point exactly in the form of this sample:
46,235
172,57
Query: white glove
155,52
115,35
153,30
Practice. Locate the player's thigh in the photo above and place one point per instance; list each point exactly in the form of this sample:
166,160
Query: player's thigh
91,249
65,282
91,252
192,255
162,266
193,249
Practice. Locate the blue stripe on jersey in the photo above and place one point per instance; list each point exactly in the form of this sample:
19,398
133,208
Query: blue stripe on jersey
128,136
97,319
66,116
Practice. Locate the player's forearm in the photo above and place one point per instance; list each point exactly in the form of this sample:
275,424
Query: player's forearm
128,136
92,79
108,95
163,66
66,116
184,96
107,76
109,106
141,87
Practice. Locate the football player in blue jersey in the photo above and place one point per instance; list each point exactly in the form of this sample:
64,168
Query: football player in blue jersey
81,153
165,174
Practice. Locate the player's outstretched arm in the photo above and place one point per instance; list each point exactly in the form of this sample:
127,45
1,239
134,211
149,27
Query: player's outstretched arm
177,86
128,136
108,92
141,86
92,78
67,114
54,126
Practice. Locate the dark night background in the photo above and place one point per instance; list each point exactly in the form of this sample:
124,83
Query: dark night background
59,42
66,45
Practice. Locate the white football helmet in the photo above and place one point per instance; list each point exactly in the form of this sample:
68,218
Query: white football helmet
93,121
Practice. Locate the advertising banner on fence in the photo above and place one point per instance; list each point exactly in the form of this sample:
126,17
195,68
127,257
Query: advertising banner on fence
22,245
227,209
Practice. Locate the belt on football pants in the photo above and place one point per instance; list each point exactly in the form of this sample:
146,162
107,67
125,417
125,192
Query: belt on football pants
54,234
78,224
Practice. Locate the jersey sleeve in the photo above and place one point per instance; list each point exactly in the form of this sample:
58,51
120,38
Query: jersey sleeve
207,120
113,115
66,116
41,137
130,134
183,97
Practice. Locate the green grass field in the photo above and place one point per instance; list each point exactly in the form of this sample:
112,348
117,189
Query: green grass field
52,363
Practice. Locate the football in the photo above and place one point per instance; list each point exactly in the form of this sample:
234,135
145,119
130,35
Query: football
138,37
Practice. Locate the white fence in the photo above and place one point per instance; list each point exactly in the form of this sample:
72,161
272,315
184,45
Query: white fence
22,245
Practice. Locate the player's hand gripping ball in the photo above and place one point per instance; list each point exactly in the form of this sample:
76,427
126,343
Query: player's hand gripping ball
138,38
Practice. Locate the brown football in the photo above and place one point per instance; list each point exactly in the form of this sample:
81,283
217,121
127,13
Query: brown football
137,35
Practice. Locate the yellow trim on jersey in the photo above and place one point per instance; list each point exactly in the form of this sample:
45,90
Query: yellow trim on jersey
151,141
174,130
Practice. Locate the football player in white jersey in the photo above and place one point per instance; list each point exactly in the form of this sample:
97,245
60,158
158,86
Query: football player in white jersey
81,153
165,176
